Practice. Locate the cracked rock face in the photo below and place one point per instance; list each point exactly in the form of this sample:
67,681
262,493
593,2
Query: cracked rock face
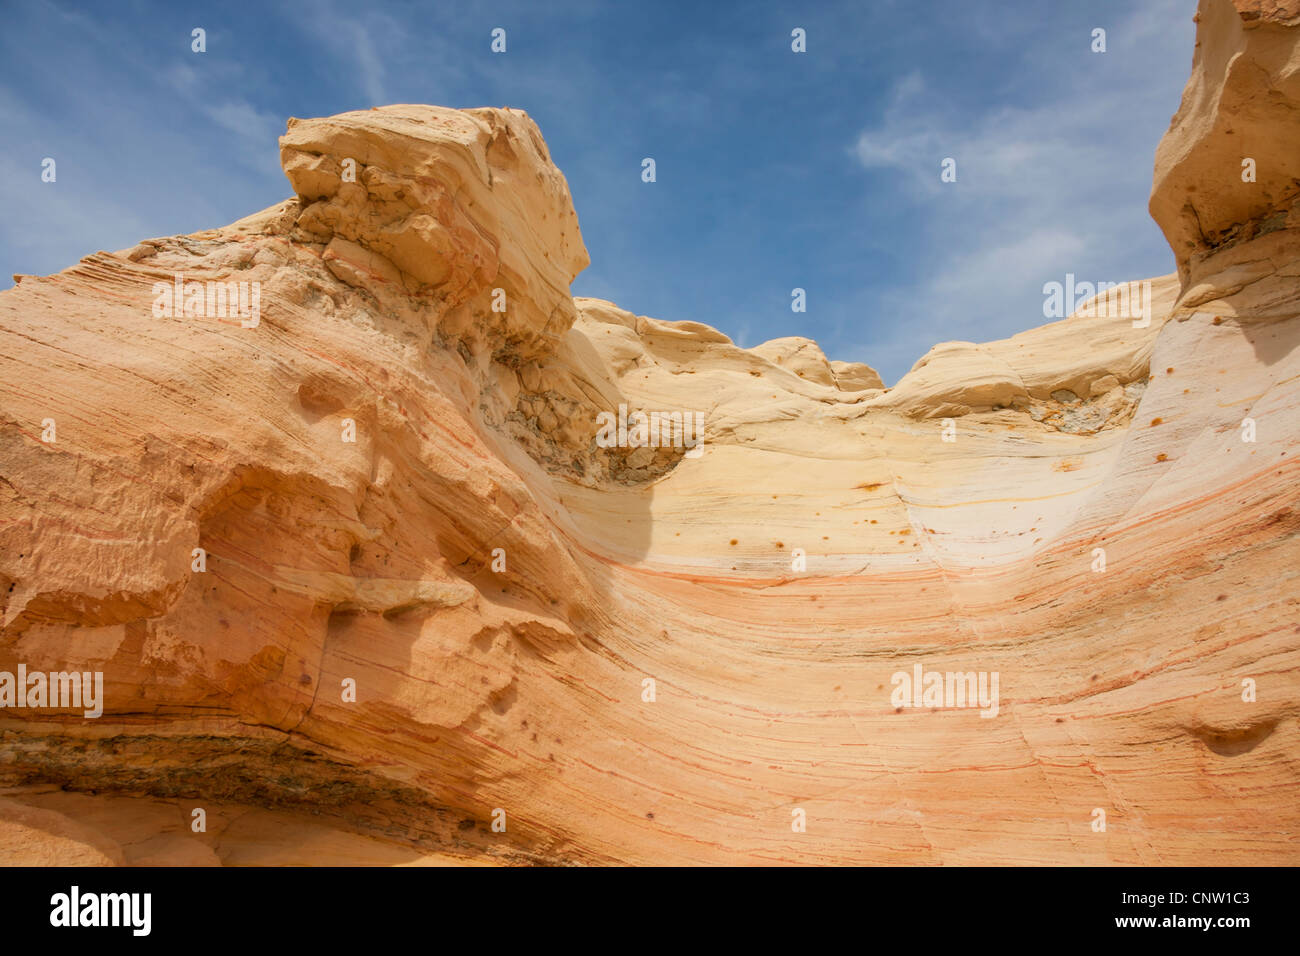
364,572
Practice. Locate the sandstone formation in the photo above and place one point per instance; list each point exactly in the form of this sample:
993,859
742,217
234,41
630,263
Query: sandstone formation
181,510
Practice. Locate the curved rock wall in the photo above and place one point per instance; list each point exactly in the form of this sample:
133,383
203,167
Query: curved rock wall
384,484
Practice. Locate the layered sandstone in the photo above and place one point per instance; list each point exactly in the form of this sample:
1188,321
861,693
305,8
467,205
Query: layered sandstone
499,584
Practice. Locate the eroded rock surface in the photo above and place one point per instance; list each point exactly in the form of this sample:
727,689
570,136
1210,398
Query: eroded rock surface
499,583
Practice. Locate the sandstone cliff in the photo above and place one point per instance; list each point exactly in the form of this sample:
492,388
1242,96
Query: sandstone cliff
182,510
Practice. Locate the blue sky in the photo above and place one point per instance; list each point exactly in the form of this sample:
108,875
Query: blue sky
775,170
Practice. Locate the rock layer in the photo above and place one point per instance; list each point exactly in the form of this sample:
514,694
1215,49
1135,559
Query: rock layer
1073,509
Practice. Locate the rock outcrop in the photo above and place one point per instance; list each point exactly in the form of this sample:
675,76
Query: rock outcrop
414,558
1228,170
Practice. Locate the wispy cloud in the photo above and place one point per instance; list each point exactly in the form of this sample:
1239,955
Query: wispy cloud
256,130
352,41
1041,190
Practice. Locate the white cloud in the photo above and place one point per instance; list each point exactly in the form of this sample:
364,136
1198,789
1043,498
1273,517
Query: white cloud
369,66
258,131
1041,190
